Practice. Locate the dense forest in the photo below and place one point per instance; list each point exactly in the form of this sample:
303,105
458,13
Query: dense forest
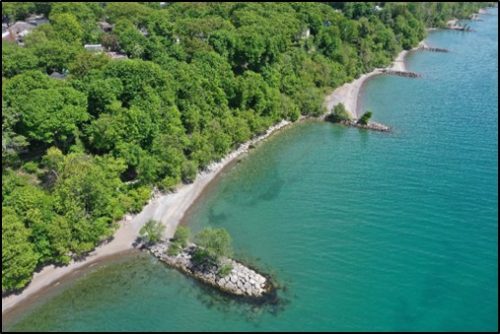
81,149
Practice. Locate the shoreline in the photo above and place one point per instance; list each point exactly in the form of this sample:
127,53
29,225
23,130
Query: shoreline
12,314
168,208
348,94
171,208
50,276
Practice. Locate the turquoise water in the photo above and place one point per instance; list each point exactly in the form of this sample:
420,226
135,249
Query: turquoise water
364,230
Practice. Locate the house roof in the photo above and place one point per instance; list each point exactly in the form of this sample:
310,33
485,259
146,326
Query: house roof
57,75
37,20
94,47
116,55
105,26
20,26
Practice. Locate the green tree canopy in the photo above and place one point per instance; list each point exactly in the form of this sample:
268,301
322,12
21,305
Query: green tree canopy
364,119
215,241
339,114
18,256
80,151
67,28
152,232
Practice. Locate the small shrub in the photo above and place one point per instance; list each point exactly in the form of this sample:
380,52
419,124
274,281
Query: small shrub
215,241
339,114
363,120
189,171
169,183
225,270
179,241
152,232
293,114
182,235
174,249
137,198
30,167
201,256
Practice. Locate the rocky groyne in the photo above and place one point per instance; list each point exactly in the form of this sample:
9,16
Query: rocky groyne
406,74
370,126
426,47
239,280
456,25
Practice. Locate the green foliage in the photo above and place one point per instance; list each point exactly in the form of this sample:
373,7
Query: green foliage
152,232
225,270
85,13
52,115
169,183
339,114
174,249
16,60
137,198
30,167
215,241
55,55
202,256
179,241
18,256
135,12
137,77
85,62
84,193
67,28
130,39
80,152
181,235
310,101
14,11
12,142
189,170
363,120
54,161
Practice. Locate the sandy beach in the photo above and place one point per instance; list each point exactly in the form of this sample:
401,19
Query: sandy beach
348,93
168,208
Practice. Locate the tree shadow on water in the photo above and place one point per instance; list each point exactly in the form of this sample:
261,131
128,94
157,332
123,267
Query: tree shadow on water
251,309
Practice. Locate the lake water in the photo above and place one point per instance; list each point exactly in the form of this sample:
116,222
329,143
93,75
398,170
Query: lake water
363,230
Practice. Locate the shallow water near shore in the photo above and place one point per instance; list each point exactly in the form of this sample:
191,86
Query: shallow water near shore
364,230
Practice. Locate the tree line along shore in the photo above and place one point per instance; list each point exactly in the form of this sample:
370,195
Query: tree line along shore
87,135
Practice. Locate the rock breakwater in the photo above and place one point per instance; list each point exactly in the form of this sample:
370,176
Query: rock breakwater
239,280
